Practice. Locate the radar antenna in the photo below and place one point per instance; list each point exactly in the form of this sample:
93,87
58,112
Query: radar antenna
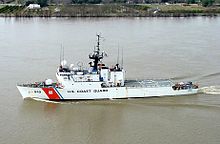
122,60
96,55
61,53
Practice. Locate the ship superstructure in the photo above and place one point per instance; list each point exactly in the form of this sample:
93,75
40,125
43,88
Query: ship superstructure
99,81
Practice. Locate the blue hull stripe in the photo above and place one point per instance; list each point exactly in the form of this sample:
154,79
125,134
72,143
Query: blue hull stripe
58,93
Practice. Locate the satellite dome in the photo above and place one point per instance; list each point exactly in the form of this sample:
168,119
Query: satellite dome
48,81
63,63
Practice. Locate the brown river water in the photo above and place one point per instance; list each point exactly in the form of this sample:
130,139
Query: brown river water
178,48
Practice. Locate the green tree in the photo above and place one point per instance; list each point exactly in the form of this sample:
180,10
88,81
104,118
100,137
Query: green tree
27,3
79,1
42,3
206,3
86,1
191,1
94,1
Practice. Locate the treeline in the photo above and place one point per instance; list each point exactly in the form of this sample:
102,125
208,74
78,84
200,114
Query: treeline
110,10
86,1
202,2
44,3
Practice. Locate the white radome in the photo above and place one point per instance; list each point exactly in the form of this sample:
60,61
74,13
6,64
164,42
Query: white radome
63,63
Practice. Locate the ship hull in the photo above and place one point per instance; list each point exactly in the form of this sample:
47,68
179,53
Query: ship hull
53,93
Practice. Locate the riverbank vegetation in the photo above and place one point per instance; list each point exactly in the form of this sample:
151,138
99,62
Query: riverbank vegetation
111,10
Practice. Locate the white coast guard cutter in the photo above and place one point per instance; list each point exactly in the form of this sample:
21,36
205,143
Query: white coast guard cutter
100,82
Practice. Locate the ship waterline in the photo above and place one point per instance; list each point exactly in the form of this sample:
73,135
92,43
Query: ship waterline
102,93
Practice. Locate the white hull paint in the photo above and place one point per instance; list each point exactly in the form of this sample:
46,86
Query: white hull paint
101,93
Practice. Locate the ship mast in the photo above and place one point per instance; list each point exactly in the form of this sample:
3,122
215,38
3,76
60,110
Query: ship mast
96,55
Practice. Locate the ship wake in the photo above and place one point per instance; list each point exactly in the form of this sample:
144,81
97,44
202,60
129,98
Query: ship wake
214,90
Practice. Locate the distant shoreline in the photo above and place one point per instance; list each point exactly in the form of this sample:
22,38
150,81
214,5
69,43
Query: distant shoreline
111,10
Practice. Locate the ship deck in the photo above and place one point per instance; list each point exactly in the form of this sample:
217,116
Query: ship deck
149,83
38,85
